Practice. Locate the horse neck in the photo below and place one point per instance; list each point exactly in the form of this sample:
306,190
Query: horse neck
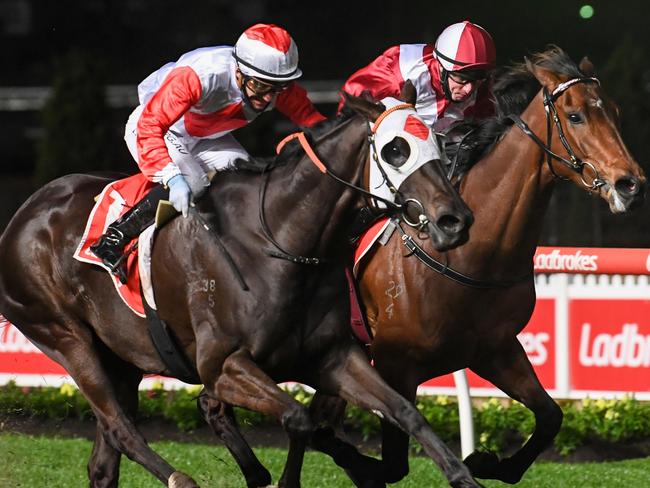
509,191
308,210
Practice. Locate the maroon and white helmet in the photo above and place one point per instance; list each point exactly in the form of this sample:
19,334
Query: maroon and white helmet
465,46
268,52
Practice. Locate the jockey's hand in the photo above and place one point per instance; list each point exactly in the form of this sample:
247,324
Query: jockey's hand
180,194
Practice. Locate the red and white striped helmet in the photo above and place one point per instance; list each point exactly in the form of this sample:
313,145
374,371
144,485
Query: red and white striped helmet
268,52
465,46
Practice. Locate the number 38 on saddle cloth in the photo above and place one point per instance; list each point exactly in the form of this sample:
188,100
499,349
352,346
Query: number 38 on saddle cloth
116,199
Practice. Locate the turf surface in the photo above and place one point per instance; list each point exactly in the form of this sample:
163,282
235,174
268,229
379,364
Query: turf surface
36,462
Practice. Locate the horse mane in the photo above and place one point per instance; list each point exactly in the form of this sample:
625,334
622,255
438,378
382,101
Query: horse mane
292,148
513,88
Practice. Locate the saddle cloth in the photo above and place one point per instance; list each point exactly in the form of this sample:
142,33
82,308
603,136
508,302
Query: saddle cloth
114,200
368,240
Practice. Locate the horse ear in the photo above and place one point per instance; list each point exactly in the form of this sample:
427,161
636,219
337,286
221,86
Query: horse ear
368,108
408,93
545,77
587,67
366,95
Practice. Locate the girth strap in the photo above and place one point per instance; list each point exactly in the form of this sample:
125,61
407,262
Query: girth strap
168,348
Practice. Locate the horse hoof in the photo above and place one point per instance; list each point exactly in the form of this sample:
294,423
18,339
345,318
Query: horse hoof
363,481
482,464
467,483
180,480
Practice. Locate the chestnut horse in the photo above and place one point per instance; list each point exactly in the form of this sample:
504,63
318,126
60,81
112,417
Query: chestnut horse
565,128
284,319
470,317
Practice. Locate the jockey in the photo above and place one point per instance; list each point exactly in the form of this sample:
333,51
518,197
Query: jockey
180,133
449,77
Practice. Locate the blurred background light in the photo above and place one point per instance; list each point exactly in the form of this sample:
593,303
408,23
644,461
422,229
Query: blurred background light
586,11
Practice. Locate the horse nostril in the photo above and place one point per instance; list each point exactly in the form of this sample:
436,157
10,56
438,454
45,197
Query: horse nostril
627,186
450,224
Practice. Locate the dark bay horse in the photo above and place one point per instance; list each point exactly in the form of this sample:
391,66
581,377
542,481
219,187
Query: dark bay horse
437,325
289,321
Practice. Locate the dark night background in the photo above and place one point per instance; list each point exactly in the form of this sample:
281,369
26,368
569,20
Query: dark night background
83,46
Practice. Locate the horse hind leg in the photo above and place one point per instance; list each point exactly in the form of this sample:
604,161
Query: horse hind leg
104,463
221,418
71,344
509,369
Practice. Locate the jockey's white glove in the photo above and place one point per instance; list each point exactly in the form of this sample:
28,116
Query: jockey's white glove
180,194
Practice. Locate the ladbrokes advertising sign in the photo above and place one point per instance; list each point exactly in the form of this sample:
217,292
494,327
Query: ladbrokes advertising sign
20,357
537,339
592,260
609,344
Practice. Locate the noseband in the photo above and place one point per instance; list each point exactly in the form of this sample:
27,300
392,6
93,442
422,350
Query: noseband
574,163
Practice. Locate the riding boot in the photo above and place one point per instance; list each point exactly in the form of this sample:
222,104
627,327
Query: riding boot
110,246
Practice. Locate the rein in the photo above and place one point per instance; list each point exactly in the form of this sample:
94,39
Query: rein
215,237
279,252
313,157
451,273
574,162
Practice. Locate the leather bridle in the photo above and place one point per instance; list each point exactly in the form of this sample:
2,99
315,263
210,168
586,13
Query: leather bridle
574,163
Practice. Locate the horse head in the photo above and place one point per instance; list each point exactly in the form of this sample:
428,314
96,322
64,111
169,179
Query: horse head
583,140
405,171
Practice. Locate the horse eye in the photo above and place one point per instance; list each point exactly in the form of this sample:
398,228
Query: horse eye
396,152
575,118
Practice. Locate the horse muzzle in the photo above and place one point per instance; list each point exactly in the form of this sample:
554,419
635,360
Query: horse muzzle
625,194
450,229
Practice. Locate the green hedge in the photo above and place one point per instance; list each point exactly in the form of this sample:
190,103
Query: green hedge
497,422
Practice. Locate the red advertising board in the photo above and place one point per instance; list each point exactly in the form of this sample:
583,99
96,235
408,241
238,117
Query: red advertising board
592,260
609,343
603,347
18,356
538,340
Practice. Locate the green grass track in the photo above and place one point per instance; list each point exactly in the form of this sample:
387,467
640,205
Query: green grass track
34,462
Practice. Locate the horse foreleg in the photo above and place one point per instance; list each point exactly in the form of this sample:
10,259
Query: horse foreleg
351,377
221,418
510,370
243,383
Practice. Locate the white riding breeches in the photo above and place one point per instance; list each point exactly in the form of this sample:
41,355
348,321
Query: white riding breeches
198,160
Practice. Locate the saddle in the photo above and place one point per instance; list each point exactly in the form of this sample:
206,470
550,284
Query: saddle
114,200
137,292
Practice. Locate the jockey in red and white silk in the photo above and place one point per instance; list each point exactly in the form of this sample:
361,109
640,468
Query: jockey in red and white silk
197,98
449,81
180,133
462,48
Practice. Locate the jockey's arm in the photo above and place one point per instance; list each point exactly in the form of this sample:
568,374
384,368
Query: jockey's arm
381,78
180,91
295,104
